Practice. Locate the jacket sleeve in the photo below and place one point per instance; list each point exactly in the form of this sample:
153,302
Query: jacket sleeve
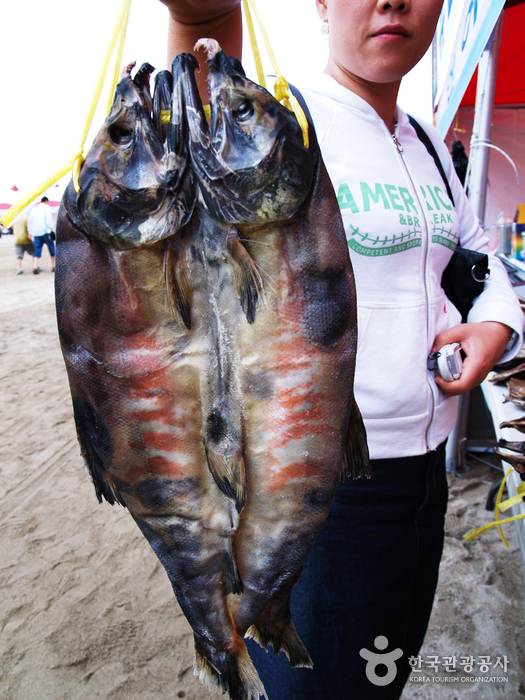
498,301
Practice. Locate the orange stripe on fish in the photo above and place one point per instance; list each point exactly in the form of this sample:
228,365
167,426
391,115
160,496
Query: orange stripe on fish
296,471
167,442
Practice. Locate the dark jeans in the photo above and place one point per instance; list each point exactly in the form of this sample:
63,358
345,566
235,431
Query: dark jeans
38,242
372,573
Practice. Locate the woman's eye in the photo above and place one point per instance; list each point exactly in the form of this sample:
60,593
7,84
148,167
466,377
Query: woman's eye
120,135
244,111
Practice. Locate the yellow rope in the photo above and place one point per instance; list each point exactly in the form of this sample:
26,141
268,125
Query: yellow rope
254,45
76,161
35,192
498,522
480,530
281,87
265,37
122,24
514,500
120,29
497,511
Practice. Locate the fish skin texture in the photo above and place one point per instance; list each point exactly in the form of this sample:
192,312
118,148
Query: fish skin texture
207,318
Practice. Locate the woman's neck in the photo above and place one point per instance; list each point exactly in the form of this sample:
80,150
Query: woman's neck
381,96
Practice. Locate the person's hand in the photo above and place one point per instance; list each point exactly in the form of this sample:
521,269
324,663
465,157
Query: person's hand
199,11
191,20
483,344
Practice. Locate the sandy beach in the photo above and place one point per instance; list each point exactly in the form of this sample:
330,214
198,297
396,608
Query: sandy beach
86,610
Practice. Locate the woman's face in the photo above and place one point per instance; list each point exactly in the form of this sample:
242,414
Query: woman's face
377,41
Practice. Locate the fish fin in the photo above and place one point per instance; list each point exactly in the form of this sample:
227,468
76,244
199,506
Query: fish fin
246,277
230,568
104,485
232,670
95,447
177,279
275,627
229,474
356,459
287,640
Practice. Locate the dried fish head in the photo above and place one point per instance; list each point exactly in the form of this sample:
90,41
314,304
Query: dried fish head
251,162
133,189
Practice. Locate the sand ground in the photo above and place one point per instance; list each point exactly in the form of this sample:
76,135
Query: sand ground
86,610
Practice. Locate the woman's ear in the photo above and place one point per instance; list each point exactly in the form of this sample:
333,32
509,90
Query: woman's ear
320,6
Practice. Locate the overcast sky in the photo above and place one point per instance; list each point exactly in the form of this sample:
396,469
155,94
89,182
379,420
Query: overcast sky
52,53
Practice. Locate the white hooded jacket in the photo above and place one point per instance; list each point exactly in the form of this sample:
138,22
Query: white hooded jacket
401,229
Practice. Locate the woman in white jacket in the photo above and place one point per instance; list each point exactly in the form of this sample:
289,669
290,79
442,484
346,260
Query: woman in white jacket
365,595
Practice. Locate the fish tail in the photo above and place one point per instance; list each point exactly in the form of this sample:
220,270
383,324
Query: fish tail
177,281
274,627
285,638
356,460
246,277
229,474
232,670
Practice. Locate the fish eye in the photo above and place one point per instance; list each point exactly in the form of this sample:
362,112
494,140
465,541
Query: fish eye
120,135
244,111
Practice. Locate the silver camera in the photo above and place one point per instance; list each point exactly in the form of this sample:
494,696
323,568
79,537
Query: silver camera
448,361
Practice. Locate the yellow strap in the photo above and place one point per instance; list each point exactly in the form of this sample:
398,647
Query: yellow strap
265,36
498,501
281,88
514,500
122,25
76,161
120,29
254,45
480,530
499,507
30,196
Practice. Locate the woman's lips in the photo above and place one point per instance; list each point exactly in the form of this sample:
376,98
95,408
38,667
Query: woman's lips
391,33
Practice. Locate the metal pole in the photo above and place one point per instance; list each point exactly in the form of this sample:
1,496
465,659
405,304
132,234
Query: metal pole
481,132
477,193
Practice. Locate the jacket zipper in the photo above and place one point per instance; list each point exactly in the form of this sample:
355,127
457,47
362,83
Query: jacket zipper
399,149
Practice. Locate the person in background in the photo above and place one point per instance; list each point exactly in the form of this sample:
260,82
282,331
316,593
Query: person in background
40,227
364,598
23,243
